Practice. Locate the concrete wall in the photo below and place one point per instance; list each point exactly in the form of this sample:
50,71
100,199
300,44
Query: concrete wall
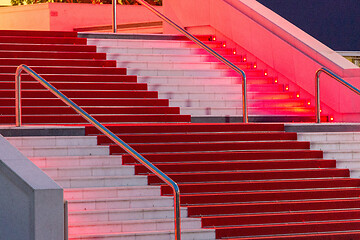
67,16
31,203
280,45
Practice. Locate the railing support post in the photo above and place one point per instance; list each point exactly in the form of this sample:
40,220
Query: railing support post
114,26
18,97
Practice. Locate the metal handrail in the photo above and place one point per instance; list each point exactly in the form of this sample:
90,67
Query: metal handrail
102,129
317,88
209,50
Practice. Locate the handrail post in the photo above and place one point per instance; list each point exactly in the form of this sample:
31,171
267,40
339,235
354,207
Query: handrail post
209,50
18,97
114,22
317,96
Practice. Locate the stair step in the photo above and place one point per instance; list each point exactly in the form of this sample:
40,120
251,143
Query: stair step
123,214
73,161
189,127
100,181
74,78
213,187
27,33
47,47
197,137
272,206
112,192
121,203
52,55
242,175
216,156
297,228
262,196
237,165
94,171
205,146
64,151
68,70
194,234
132,226
48,141
42,40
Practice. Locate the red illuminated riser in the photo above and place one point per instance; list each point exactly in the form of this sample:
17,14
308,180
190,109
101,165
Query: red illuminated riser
42,40
52,55
58,62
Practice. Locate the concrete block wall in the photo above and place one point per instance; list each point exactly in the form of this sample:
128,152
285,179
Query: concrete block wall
31,203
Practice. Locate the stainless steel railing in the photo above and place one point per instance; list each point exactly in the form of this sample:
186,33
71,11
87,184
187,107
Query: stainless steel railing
102,129
209,50
317,88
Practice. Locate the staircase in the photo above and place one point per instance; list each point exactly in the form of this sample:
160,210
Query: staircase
199,84
237,181
105,198
342,146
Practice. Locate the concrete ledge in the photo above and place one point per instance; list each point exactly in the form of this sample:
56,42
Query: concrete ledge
323,127
31,203
12,131
132,36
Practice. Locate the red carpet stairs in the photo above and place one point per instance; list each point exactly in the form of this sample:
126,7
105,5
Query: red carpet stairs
246,181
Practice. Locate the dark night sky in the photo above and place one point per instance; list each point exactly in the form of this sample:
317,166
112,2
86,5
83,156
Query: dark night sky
336,23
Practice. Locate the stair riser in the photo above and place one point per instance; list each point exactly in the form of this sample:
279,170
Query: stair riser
67,70
70,119
280,218
47,47
261,175
33,33
75,79
82,94
150,43
121,204
187,157
120,192
57,62
147,148
92,110
134,227
181,128
94,172
88,102
228,166
52,141
64,151
197,137
100,182
42,40
77,161
52,55
272,207
288,229
268,196
134,214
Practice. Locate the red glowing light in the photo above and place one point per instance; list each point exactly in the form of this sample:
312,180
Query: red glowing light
298,95
255,66
320,110
224,44
286,88
234,52
244,59
214,38
265,73
331,118
309,103
276,80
